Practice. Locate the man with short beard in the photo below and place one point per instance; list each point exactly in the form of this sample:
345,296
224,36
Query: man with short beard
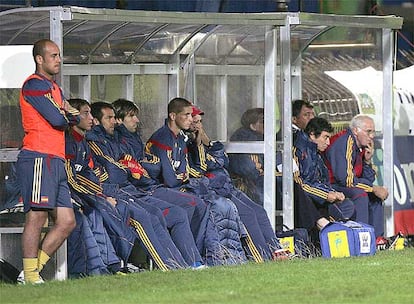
40,164
169,144
121,170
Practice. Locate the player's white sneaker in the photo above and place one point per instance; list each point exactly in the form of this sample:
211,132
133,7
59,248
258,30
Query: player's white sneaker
20,279
198,266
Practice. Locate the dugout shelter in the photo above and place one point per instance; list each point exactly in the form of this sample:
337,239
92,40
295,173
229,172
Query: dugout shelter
225,63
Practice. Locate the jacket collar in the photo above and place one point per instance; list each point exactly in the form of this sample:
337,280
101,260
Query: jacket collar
78,137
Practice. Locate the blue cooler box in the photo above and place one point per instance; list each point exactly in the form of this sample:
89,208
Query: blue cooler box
344,239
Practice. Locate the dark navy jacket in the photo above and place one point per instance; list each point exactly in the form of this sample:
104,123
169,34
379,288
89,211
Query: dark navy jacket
248,169
87,191
346,164
249,166
79,163
172,152
130,144
176,171
211,162
108,154
313,175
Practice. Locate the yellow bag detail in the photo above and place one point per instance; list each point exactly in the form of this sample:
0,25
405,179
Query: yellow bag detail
288,242
338,244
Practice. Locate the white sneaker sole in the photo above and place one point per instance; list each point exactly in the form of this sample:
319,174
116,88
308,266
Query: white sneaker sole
20,279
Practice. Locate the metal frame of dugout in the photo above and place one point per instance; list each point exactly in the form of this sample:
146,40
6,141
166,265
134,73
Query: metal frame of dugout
189,49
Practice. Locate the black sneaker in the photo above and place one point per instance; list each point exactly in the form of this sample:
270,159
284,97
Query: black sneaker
131,268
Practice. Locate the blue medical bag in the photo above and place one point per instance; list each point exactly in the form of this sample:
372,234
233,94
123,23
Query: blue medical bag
344,239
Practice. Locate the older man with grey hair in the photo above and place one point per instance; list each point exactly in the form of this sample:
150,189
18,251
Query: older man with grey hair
349,160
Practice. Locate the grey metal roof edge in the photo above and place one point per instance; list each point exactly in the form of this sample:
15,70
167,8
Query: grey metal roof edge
84,13
365,21
35,9
177,14
177,17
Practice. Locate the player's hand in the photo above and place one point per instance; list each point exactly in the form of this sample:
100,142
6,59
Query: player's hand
111,200
369,152
340,196
68,108
204,137
380,192
182,176
331,197
334,196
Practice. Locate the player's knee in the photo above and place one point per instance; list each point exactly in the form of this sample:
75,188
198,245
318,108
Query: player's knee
181,214
67,223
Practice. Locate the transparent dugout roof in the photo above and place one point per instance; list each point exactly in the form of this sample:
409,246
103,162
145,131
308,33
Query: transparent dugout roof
119,36
224,62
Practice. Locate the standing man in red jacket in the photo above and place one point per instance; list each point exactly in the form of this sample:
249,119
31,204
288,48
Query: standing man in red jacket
41,162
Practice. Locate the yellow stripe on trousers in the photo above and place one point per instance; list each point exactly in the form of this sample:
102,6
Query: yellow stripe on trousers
253,250
147,243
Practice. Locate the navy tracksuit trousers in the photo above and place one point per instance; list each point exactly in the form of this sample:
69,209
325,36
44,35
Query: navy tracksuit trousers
176,220
368,207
